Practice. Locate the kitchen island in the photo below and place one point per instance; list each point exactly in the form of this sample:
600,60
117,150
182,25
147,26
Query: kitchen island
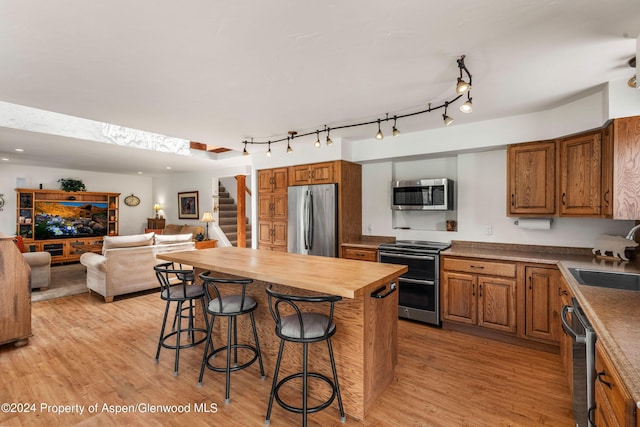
365,344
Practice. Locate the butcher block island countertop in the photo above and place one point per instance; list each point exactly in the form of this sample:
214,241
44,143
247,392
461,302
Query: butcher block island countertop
366,341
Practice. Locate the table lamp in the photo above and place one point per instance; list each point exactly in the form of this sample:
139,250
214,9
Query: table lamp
207,217
156,208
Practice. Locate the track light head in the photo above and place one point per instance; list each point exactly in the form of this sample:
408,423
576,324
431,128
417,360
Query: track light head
447,120
462,87
269,150
245,152
467,107
379,135
396,132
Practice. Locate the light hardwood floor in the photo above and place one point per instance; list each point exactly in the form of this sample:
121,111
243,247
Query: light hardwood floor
86,352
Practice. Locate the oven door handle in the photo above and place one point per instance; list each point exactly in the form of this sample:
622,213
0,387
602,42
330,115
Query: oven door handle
416,281
397,255
567,328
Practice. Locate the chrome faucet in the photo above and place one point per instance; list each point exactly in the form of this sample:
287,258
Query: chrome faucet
632,232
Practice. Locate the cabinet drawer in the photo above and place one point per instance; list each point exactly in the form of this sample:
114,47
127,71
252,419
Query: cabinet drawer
503,269
617,396
362,254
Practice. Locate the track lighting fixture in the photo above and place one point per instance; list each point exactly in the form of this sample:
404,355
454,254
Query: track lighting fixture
463,85
395,130
467,107
447,120
379,135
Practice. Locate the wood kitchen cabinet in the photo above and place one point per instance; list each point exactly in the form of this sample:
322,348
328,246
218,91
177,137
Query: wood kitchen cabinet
614,404
315,173
579,174
542,321
272,209
15,295
478,292
566,342
359,253
621,156
531,178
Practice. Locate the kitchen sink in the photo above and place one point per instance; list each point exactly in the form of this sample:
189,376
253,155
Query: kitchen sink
607,279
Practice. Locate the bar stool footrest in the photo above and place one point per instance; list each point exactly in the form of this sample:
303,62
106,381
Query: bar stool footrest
309,375
189,343
236,367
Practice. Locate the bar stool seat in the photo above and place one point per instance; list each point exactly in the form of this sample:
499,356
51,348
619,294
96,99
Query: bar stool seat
177,287
231,307
305,328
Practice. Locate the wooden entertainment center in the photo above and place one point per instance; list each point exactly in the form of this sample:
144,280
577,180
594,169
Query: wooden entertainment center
67,248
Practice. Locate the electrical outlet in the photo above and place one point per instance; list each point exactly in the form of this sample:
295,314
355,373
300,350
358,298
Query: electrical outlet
488,230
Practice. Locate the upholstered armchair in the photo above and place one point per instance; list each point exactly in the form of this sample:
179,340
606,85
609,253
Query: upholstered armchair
40,263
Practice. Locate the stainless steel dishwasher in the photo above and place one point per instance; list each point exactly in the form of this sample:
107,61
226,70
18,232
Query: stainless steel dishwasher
576,325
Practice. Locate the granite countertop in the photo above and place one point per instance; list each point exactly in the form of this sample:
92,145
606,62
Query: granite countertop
613,313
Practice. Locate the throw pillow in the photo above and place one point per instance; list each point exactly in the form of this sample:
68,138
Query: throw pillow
166,239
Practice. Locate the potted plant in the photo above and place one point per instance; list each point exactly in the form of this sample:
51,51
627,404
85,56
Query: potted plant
71,185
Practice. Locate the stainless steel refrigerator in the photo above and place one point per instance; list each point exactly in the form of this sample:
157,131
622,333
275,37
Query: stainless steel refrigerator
313,220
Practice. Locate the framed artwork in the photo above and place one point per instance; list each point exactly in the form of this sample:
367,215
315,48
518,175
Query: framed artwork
188,205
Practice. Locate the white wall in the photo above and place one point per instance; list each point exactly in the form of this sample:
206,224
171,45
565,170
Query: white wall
132,219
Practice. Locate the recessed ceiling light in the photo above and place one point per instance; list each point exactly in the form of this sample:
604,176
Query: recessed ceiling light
19,150
5,159
168,167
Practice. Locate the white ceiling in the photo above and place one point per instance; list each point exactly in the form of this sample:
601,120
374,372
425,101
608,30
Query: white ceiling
222,71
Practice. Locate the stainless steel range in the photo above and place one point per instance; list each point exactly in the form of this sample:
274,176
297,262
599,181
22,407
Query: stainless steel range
419,287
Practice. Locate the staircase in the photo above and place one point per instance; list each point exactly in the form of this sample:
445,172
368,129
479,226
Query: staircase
227,216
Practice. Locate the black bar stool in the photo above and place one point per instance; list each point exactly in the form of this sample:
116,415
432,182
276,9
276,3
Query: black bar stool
176,286
303,327
229,306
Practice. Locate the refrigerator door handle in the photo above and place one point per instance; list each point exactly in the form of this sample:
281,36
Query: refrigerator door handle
305,222
310,220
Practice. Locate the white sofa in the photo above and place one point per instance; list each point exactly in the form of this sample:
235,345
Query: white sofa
126,264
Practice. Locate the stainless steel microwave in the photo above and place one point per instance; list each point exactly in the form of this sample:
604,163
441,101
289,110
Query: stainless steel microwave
422,194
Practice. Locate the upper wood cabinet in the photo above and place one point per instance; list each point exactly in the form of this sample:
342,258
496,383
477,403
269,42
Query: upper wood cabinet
316,173
579,174
273,180
625,170
531,178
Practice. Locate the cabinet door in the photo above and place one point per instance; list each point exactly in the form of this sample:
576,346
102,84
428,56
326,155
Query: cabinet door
606,187
322,173
459,297
280,233
580,175
541,315
531,178
300,175
265,206
280,180
265,235
566,342
279,206
626,197
497,303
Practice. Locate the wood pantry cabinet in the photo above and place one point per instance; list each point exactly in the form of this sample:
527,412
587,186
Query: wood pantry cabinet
542,321
82,205
478,292
614,405
272,209
531,178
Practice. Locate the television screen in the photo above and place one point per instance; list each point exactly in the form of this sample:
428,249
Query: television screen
59,219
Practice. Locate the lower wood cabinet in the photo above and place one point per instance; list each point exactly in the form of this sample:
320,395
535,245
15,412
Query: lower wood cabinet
614,405
479,293
272,235
360,253
542,319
